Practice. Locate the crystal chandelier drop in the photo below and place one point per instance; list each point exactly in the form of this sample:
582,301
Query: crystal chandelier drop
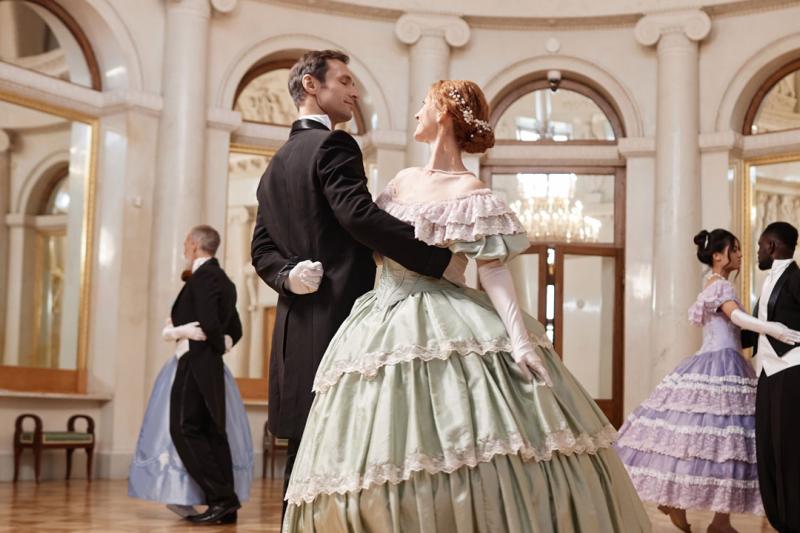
549,212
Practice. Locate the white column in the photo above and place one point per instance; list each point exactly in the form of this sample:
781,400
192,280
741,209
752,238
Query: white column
180,177
220,124
676,271
430,38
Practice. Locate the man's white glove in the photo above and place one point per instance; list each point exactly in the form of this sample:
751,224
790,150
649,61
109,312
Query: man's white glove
191,331
305,277
775,330
497,282
455,269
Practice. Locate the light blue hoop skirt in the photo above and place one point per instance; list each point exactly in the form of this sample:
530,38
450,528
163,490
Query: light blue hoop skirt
157,472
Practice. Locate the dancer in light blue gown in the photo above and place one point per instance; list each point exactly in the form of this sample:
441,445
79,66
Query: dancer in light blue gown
157,472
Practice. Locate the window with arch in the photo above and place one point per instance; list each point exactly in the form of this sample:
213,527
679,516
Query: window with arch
776,105
263,97
571,277
538,111
770,182
41,35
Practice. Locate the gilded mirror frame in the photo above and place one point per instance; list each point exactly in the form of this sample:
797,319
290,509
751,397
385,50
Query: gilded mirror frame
746,215
51,380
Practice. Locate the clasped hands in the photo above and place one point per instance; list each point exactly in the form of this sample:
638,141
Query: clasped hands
191,331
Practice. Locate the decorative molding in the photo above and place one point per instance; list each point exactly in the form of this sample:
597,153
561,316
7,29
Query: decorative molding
629,147
224,6
388,139
720,141
779,142
122,101
223,119
412,26
694,24
552,154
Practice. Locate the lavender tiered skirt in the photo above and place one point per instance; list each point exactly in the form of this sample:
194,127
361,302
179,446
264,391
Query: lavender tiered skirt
691,444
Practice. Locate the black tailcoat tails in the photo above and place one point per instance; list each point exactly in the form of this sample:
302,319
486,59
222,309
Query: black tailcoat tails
777,422
313,203
197,400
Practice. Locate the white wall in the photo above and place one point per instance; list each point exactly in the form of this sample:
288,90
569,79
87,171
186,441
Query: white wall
128,38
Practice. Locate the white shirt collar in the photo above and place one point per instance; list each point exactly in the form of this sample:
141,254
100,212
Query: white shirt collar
197,263
779,266
325,120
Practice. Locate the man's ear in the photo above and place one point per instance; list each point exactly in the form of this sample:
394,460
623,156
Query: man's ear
310,84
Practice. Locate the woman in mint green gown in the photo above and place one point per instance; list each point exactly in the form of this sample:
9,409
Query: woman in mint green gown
426,418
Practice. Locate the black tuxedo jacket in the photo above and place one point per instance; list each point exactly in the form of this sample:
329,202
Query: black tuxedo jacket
783,307
313,203
209,297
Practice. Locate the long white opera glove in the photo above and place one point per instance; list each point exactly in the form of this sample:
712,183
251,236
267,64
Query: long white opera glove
497,282
191,331
305,277
773,329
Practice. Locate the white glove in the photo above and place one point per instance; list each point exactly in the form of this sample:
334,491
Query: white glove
228,343
773,329
455,269
305,277
497,282
191,331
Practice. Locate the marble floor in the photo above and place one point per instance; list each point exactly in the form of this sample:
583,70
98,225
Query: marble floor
103,506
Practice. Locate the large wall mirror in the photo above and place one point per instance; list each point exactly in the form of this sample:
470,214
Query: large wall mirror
256,302
773,194
46,197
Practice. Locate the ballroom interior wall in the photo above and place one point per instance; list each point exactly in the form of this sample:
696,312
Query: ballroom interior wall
129,38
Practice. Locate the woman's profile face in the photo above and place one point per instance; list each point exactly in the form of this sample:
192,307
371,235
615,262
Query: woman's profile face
730,257
427,121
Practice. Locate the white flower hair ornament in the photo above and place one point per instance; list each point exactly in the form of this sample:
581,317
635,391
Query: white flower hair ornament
467,114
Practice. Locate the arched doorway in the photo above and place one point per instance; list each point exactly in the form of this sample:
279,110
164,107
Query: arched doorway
571,278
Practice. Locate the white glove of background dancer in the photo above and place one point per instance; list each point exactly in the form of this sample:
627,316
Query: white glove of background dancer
773,329
497,282
191,331
305,277
228,343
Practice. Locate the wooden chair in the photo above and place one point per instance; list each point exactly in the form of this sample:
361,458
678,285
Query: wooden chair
39,440
270,445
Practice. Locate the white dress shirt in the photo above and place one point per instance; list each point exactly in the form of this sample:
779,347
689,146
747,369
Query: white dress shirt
766,358
197,263
325,120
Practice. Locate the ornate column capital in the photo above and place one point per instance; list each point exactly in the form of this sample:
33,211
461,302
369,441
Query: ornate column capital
412,26
693,23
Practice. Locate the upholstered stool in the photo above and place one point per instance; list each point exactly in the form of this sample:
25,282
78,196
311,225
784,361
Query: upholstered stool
271,445
39,440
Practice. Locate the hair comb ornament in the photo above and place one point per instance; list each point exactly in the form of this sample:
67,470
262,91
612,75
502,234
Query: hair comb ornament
467,114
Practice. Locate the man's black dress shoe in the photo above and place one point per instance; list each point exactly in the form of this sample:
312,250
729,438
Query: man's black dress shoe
216,514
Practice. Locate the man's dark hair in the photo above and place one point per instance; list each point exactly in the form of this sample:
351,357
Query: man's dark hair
784,233
314,63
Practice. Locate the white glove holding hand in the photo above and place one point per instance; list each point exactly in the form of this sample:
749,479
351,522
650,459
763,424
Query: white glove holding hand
305,277
497,282
191,331
228,343
775,330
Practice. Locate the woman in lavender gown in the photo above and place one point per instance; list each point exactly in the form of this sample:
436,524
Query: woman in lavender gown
691,444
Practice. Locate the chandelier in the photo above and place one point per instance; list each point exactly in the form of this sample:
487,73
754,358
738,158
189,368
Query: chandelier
549,212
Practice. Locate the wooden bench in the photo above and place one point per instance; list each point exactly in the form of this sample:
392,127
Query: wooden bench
39,440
